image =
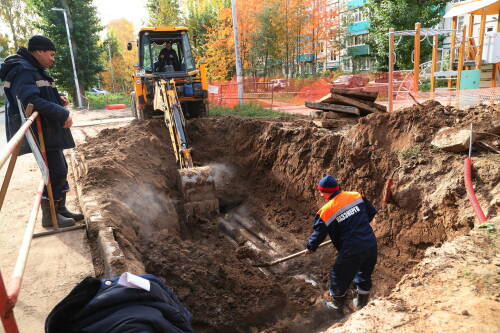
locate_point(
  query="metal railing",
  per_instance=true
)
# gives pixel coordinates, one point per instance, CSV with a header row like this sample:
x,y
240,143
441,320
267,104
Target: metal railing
x,y
9,296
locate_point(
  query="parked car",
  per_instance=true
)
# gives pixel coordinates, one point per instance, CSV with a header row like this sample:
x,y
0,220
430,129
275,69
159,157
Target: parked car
x,y
97,91
278,84
350,81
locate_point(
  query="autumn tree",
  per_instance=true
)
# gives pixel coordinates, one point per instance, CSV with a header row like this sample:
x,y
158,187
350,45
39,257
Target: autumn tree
x,y
119,61
163,13
84,26
201,16
219,49
18,20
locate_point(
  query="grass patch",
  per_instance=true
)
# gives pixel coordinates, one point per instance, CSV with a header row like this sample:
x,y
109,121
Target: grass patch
x,y
246,110
100,101
411,152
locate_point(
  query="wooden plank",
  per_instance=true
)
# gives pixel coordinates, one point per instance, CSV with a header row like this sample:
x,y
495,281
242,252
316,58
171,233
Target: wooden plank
x,y
362,105
364,95
324,99
382,108
416,57
333,107
434,61
480,46
452,48
390,83
460,59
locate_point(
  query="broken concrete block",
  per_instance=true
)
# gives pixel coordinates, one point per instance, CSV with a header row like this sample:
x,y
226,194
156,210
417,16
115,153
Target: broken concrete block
x,y
316,114
334,115
326,123
453,139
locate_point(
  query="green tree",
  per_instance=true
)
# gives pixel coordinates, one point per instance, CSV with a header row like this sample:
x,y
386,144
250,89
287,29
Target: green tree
x,y
4,46
200,17
266,37
18,20
400,15
84,26
163,12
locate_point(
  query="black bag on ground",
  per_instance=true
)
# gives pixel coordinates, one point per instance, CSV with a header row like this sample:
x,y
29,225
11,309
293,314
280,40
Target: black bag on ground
x,y
104,306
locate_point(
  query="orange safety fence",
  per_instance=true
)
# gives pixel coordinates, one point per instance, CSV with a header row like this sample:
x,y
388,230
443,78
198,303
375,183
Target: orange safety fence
x,y
295,91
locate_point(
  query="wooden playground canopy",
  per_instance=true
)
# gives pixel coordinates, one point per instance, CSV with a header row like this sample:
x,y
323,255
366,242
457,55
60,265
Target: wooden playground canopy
x,y
475,7
465,41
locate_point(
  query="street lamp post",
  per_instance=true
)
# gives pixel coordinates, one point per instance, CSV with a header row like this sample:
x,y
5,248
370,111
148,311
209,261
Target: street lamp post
x,y
77,85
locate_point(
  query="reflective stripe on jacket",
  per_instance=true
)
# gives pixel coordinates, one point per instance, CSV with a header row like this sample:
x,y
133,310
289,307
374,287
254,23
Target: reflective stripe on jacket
x,y
346,218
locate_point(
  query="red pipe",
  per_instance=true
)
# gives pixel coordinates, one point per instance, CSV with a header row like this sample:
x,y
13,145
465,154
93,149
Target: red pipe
x,y
470,191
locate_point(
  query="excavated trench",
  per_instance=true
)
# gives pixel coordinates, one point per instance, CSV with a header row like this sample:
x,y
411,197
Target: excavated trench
x,y
265,172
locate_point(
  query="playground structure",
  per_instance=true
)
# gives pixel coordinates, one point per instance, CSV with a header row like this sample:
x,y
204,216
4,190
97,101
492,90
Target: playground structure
x,y
469,55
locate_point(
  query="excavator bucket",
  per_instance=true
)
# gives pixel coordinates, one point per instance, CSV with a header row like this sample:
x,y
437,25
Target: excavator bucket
x,y
198,189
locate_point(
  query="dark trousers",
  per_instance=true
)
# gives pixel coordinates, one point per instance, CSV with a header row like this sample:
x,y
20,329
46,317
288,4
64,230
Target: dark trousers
x,y
58,172
353,266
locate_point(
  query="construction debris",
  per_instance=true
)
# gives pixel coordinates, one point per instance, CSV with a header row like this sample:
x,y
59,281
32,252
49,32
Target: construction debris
x,y
453,139
344,103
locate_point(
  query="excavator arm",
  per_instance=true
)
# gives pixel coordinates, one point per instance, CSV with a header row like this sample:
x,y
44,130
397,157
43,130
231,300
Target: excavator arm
x,y
197,183
167,101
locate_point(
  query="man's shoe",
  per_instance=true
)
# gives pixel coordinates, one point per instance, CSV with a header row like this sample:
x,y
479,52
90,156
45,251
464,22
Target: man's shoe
x,y
61,209
337,303
62,222
361,299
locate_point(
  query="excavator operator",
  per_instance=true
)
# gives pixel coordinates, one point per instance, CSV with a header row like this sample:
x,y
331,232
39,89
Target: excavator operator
x,y
168,57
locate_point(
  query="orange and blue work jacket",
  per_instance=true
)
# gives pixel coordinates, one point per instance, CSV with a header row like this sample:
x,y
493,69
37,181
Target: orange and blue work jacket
x,y
346,218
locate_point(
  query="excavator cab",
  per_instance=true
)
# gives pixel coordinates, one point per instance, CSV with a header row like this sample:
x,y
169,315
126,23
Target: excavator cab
x,y
167,84
179,64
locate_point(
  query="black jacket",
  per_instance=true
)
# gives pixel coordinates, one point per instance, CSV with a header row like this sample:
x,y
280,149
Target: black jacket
x,y
103,306
169,58
25,78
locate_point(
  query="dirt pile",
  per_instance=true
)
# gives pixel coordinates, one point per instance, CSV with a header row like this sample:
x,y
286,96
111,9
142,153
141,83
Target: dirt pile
x,y
266,171
453,289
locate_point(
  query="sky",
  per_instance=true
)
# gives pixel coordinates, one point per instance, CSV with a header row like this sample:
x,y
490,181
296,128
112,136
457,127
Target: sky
x,y
108,10
132,10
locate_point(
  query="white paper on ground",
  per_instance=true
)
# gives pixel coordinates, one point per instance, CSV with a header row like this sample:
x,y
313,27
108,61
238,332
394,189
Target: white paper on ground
x,y
133,281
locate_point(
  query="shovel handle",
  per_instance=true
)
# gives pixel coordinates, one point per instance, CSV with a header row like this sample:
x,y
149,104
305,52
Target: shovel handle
x,y
277,261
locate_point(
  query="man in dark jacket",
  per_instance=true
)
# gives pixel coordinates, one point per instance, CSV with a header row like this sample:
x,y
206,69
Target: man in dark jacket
x,y
346,219
168,56
27,80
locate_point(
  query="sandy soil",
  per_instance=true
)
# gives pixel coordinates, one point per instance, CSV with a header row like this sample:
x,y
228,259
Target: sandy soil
x,y
265,172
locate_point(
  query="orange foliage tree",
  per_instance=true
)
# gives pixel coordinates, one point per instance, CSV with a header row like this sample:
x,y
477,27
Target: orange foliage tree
x,y
219,49
273,34
118,74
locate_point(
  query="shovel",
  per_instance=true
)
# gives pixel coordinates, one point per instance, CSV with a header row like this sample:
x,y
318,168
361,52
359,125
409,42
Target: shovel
x,y
297,254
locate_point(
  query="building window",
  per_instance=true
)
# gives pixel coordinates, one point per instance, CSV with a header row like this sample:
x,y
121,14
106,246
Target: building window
x,y
364,64
358,15
346,64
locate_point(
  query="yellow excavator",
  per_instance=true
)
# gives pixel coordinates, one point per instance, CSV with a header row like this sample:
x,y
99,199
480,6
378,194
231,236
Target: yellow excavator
x,y
167,84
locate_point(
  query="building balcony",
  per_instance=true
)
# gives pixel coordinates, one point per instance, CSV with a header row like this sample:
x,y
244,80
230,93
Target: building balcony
x,y
307,57
358,28
358,50
353,4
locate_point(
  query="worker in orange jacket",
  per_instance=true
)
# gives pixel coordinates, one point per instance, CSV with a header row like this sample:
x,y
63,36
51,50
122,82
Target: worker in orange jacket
x,y
346,218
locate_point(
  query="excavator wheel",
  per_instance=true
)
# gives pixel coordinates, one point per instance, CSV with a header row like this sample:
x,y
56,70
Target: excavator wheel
x,y
198,189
